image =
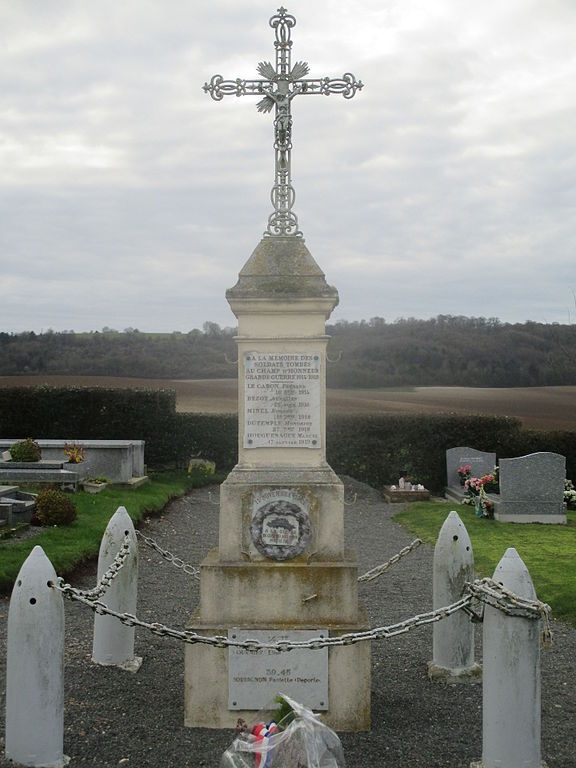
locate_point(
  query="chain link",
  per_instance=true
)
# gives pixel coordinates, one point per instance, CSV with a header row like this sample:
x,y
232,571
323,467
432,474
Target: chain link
x,y
380,569
177,562
493,593
107,577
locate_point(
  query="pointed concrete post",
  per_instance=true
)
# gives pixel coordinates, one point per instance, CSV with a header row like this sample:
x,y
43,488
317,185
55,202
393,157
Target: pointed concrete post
x,y
113,641
453,638
35,667
511,695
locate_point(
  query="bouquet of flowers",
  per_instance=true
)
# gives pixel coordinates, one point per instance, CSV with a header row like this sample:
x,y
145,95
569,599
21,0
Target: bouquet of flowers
x,y
473,486
294,738
464,473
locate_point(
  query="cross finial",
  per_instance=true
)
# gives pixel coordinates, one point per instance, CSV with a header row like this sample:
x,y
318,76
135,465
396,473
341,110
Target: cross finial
x,y
280,83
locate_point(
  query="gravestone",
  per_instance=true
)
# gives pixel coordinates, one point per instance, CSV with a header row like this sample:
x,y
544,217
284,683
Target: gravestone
x,y
481,463
532,489
281,570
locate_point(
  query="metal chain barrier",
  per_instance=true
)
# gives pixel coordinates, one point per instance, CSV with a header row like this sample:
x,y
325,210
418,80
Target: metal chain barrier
x,y
493,593
380,569
486,591
105,580
220,641
177,562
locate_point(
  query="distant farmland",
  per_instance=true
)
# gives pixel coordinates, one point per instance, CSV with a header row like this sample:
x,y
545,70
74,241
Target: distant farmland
x,y
537,407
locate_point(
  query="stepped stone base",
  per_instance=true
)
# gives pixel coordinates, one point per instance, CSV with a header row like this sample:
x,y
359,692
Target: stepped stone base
x,y
454,493
295,592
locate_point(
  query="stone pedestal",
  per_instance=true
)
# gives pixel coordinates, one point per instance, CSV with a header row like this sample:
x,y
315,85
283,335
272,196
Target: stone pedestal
x,y
281,562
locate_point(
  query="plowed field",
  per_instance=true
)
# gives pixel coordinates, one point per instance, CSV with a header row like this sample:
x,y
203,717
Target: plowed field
x,y
537,407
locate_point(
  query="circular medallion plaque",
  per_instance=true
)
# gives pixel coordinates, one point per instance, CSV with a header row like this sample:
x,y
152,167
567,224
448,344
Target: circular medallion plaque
x,y
280,529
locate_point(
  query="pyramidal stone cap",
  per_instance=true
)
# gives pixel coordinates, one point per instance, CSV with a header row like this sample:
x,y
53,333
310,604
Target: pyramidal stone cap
x,y
281,267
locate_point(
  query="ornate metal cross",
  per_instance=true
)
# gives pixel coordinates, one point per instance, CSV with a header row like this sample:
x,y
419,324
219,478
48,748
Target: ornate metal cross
x,y
278,86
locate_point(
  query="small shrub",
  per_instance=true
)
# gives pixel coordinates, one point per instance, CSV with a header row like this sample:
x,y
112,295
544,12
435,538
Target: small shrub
x,y
201,468
54,507
26,450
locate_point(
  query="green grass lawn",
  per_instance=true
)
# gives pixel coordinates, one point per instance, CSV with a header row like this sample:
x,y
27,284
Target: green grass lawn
x,y
549,551
69,545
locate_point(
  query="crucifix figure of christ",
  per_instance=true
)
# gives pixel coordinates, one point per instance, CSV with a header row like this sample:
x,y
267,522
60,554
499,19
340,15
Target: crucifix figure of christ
x,y
278,86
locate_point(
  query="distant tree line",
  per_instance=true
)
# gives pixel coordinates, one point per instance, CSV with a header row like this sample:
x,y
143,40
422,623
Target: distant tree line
x,y
443,351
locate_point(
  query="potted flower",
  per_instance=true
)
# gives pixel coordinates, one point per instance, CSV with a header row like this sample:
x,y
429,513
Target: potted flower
x,y
464,473
491,481
95,484
74,452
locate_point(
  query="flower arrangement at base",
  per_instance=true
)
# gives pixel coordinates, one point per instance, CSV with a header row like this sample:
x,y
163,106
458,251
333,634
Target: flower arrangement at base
x,y
491,481
294,738
484,507
472,488
464,472
569,494
475,495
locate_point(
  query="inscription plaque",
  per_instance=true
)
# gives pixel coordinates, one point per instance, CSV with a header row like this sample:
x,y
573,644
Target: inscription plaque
x,y
256,677
282,400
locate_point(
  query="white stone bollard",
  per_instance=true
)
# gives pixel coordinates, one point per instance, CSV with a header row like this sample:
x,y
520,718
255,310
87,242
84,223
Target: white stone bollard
x,y
113,643
35,667
511,695
453,637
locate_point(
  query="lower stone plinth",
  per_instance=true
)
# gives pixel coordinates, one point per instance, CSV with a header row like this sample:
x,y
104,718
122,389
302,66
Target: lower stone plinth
x,y
529,511
206,681
471,674
480,764
293,593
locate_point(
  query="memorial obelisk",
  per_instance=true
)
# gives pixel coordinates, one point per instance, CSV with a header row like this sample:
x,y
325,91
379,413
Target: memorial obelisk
x,y
281,569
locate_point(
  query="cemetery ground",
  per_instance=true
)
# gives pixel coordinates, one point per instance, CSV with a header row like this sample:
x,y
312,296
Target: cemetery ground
x,y
69,546
544,408
116,718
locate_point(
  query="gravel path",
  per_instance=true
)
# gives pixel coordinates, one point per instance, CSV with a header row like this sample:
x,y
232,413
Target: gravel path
x,y
115,718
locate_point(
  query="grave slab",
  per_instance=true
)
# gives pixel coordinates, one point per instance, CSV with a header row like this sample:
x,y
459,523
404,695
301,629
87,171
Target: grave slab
x,y
532,489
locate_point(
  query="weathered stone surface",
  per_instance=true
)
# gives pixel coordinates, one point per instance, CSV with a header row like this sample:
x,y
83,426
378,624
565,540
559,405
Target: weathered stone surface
x,y
281,267
281,562
298,593
207,673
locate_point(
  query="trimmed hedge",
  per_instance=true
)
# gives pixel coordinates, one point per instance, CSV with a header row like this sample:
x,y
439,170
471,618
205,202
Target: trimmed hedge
x,y
95,413
374,449
212,436
380,449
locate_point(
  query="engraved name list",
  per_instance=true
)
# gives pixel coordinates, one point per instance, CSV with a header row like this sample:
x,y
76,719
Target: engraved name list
x,y
282,400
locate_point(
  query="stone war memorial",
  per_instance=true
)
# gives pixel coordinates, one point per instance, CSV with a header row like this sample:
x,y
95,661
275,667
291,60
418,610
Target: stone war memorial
x,y
281,570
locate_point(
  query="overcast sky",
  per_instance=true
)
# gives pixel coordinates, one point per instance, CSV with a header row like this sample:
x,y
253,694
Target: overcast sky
x,y
129,198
